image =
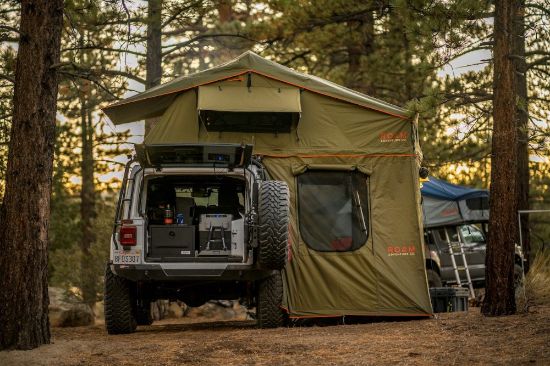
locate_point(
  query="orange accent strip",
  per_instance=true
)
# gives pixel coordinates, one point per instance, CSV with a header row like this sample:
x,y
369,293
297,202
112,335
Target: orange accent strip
x,y
328,95
339,155
122,102
370,314
338,316
268,76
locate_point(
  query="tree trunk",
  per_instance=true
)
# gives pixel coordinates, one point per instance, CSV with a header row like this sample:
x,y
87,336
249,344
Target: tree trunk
x,y
25,212
154,51
503,224
225,11
87,203
523,127
360,44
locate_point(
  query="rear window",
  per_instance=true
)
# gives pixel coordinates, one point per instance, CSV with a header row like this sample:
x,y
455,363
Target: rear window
x,y
333,210
472,234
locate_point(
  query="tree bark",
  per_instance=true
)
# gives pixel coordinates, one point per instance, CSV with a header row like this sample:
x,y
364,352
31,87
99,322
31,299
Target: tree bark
x,y
503,224
225,11
154,51
361,44
523,128
87,203
25,212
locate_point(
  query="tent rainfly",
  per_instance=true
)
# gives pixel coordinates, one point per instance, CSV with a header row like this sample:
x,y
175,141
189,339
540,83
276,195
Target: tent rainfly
x,y
444,203
351,163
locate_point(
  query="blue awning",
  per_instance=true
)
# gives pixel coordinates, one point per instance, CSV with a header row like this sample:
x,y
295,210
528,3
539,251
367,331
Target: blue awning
x,y
444,203
443,190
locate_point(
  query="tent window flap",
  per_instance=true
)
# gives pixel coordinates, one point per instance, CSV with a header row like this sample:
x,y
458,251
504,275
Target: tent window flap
x,y
333,210
253,99
249,110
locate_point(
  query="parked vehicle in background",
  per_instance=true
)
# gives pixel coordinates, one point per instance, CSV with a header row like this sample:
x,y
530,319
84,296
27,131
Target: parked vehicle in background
x,y
439,267
455,215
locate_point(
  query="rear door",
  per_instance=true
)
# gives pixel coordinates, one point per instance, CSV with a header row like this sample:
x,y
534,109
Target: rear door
x,y
440,238
194,155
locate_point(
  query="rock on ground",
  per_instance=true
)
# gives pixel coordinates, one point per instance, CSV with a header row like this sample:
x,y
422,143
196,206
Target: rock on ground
x,y
219,310
66,312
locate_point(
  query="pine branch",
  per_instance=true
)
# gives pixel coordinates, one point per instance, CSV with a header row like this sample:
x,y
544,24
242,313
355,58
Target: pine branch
x,y
85,72
6,38
89,78
544,9
542,71
179,45
468,98
120,21
7,78
179,31
107,49
177,13
9,28
539,62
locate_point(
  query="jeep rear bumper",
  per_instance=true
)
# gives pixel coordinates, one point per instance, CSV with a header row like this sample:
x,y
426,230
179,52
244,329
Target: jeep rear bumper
x,y
178,272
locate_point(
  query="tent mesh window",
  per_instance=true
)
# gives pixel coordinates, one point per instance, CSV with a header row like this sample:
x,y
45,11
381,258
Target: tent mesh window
x,y
249,122
333,210
478,203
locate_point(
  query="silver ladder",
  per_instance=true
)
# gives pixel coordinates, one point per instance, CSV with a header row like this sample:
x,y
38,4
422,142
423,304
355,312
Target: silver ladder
x,y
456,268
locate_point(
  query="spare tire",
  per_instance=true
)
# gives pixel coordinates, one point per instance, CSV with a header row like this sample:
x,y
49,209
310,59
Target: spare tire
x,y
269,313
273,206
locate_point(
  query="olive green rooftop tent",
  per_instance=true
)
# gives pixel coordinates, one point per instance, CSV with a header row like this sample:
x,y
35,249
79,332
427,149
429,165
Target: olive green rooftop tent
x,y
351,163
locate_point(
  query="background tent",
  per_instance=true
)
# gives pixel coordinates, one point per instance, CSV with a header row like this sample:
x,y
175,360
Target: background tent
x,y
444,203
351,163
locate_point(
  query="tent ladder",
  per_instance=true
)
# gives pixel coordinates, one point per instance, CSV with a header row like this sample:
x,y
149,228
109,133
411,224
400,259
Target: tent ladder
x,y
460,252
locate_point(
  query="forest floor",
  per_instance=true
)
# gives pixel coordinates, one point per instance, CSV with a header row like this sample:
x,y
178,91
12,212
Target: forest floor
x,y
454,338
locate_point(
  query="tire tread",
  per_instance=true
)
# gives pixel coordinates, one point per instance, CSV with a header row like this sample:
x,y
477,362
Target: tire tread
x,y
118,305
270,296
273,225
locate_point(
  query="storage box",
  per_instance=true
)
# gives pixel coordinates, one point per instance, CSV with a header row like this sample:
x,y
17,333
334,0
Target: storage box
x,y
211,227
449,299
170,242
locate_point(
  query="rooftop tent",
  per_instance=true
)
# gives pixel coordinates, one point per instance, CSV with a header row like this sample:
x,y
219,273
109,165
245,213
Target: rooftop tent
x,y
154,102
351,162
444,203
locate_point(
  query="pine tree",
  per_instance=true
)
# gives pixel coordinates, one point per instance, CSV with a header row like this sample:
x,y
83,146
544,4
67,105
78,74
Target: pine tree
x,y
25,211
86,47
503,226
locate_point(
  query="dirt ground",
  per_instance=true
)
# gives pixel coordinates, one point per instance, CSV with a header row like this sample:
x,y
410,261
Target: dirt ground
x,y
456,338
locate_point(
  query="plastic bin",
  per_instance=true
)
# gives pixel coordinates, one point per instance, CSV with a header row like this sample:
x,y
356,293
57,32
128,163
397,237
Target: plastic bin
x,y
449,299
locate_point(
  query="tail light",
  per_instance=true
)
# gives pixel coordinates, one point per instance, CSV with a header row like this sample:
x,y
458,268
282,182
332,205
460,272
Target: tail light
x,y
128,235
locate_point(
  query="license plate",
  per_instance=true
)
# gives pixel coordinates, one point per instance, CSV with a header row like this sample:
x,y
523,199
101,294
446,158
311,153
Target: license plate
x,y
123,257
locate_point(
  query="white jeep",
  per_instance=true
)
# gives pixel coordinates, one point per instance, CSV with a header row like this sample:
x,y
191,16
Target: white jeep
x,y
196,222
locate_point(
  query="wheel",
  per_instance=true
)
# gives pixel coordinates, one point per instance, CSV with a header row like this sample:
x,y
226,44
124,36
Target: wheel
x,y
273,197
434,280
118,304
270,297
144,316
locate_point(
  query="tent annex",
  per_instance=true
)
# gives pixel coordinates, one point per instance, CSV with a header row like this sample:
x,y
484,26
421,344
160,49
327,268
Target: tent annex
x,y
444,203
351,163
